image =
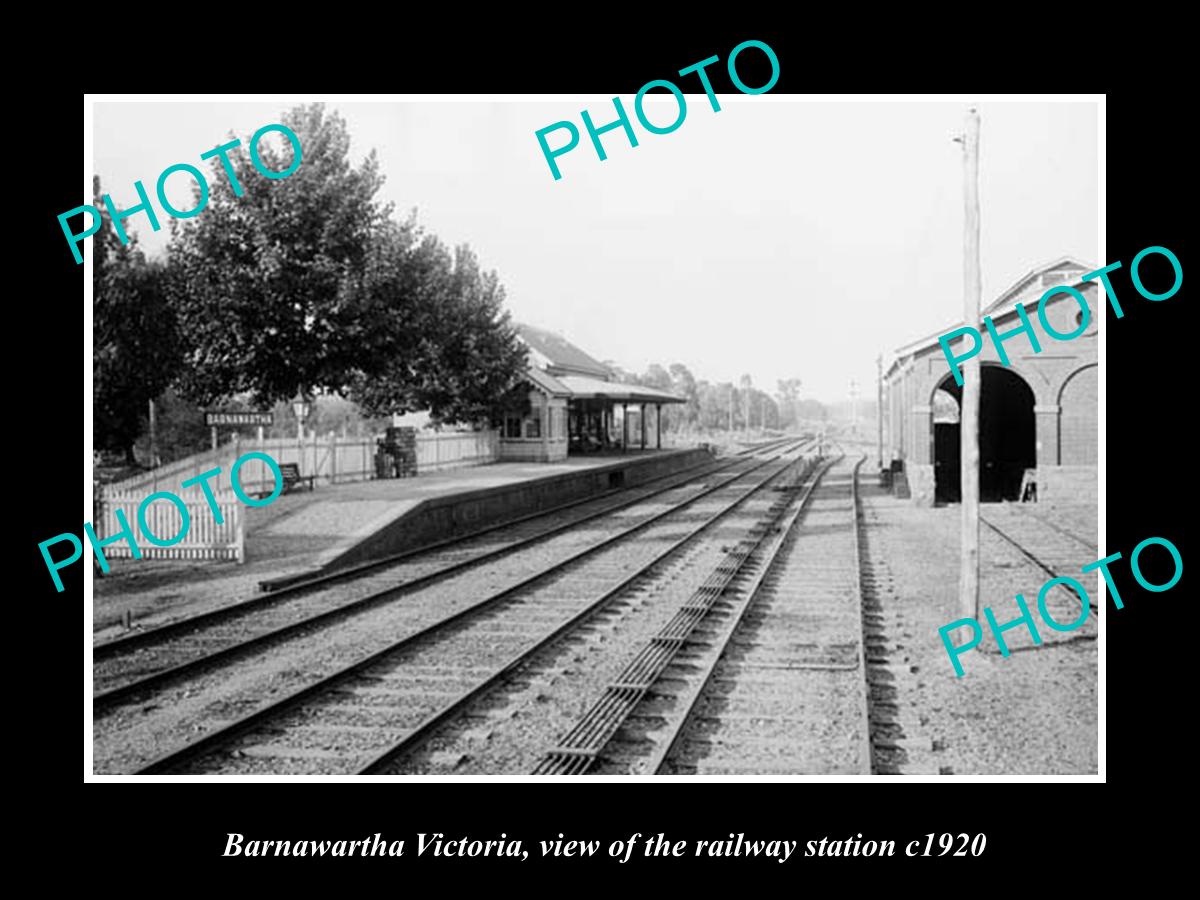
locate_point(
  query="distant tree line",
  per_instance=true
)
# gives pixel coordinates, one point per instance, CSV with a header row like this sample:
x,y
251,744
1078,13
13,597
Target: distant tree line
x,y
724,406
305,285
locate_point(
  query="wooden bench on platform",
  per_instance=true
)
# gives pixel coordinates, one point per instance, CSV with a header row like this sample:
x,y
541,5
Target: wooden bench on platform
x,y
291,478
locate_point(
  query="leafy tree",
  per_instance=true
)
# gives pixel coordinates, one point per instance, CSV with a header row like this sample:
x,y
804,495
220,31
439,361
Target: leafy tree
x,y
683,383
747,387
135,348
179,429
406,281
479,356
766,410
789,396
656,377
450,346
306,284
618,374
269,286
717,405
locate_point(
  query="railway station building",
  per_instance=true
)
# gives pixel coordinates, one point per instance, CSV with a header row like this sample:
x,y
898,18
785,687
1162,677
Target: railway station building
x,y
574,405
1038,415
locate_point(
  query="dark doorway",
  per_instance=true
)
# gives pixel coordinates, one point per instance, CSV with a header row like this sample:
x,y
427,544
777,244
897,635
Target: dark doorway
x,y
1007,438
946,448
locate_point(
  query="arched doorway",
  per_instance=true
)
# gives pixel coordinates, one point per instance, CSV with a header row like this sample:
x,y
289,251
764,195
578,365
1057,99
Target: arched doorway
x,y
1077,419
1007,436
946,446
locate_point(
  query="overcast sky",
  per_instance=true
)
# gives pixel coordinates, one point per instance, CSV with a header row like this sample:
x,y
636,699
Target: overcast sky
x,y
777,237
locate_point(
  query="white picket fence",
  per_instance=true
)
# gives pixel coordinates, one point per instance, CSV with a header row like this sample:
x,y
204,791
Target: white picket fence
x,y
205,539
330,460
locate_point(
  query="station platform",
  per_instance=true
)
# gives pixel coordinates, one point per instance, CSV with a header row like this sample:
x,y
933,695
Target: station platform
x,y
306,533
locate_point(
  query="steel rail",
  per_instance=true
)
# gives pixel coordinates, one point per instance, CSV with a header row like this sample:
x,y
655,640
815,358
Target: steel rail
x,y
581,746
426,727
105,700
866,750
659,759
1090,546
108,649
1031,557
221,736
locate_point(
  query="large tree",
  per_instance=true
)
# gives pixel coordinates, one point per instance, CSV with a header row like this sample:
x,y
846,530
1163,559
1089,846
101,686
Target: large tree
x,y
135,350
449,345
270,286
306,283
480,356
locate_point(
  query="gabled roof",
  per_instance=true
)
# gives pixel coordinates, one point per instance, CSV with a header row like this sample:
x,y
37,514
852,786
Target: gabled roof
x,y
553,350
1026,290
1039,279
547,383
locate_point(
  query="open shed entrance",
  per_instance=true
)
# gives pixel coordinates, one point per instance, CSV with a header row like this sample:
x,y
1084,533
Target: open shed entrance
x,y
1007,436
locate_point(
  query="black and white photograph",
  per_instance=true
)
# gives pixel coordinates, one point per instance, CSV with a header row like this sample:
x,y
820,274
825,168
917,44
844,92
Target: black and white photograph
x,y
733,435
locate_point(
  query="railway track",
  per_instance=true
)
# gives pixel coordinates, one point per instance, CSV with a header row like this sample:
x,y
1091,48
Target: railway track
x,y
355,718
1055,550
132,667
762,670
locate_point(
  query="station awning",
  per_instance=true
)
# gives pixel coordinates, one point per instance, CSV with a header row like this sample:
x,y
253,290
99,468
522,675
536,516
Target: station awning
x,y
583,388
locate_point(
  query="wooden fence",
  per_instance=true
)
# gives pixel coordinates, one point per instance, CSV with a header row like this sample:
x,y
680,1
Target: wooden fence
x,y
204,540
331,460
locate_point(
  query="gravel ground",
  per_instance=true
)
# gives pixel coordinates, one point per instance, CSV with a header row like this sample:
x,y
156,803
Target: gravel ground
x,y
132,735
271,611
759,714
516,724
1034,712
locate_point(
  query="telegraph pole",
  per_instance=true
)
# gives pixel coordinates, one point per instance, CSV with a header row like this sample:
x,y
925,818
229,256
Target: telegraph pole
x,y
854,407
969,430
879,404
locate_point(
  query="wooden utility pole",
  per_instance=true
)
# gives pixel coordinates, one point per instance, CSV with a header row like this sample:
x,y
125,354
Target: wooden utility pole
x,y
879,404
969,418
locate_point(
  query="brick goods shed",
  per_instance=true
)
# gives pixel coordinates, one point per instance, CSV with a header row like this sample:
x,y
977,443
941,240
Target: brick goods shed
x,y
1038,415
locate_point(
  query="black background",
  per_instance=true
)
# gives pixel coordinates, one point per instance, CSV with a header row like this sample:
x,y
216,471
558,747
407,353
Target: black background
x,y
131,830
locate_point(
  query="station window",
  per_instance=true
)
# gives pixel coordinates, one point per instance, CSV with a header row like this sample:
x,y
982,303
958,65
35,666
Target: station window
x,y
533,428
512,426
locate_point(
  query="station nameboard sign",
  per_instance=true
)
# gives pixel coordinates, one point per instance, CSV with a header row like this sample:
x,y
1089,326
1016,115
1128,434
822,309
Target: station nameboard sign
x,y
238,418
